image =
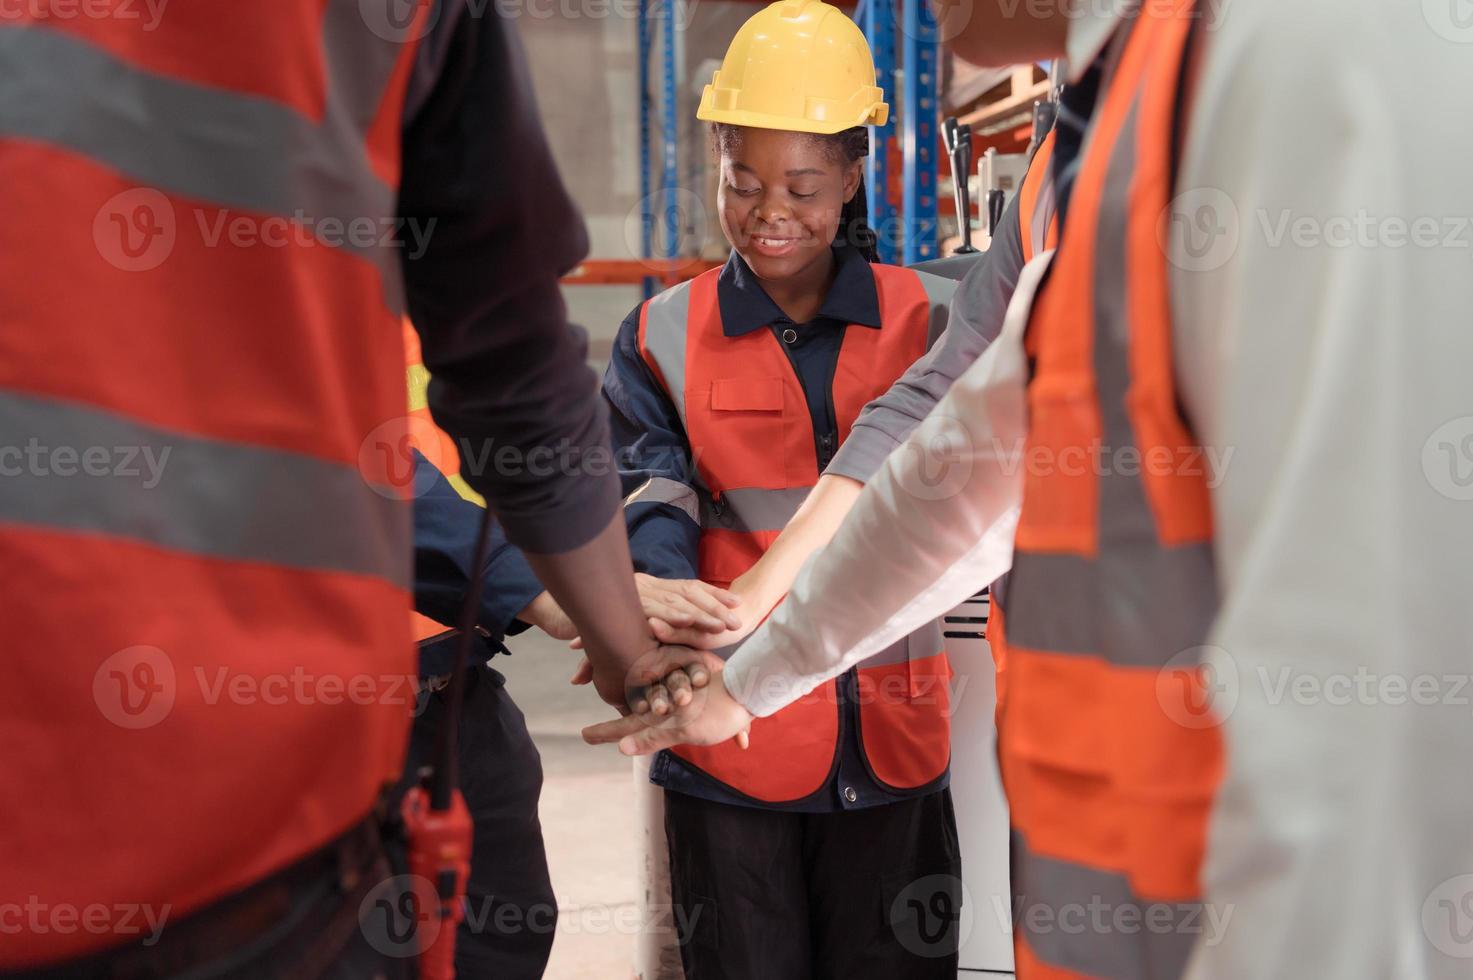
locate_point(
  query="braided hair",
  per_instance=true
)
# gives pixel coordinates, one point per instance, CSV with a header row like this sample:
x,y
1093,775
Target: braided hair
x,y
845,147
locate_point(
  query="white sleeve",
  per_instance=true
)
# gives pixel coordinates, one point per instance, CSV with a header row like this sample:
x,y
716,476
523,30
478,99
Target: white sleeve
x,y
1324,348
933,527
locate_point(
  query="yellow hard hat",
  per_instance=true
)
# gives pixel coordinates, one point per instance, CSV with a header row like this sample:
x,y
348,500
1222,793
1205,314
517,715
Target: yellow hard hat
x,y
799,65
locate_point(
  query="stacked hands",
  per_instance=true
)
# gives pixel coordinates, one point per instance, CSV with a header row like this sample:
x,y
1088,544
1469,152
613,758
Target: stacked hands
x,y
665,697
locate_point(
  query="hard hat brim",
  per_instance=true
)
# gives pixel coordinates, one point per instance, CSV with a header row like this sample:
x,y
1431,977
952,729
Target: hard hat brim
x,y
874,114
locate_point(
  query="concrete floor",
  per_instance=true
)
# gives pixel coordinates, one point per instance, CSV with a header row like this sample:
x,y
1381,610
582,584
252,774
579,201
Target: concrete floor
x,y
587,813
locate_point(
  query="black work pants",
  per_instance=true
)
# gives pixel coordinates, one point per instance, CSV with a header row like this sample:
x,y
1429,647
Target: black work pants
x,y
511,912
770,895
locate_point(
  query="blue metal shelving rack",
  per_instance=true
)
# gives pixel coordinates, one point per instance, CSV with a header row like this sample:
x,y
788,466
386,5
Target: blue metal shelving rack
x,y
918,120
907,234
657,23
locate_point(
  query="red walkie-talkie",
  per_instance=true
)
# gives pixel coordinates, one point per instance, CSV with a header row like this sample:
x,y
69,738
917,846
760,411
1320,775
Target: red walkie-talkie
x,y
436,821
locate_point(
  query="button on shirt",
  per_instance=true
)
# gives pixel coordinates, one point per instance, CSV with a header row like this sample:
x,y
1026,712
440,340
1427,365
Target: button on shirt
x,y
651,443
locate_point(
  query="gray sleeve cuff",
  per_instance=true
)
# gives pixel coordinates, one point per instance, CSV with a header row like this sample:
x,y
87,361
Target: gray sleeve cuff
x,y
862,454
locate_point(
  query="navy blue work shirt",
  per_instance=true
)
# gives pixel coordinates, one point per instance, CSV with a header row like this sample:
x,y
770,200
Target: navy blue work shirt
x,y
650,442
445,526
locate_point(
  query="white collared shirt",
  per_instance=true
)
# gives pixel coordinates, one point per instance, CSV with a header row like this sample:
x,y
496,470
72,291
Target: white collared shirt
x,y
1323,331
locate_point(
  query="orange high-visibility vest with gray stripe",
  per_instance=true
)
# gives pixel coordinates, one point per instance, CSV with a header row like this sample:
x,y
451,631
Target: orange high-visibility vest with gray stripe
x,y
1038,213
748,425
212,670
1109,755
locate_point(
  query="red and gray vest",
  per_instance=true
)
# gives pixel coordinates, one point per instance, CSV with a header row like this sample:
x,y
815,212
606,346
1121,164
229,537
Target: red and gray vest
x,y
206,601
751,436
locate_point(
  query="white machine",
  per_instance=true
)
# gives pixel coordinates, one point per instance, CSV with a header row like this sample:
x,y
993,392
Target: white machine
x,y
976,791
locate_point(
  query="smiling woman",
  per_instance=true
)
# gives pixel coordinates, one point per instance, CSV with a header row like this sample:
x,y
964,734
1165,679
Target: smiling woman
x,y
756,372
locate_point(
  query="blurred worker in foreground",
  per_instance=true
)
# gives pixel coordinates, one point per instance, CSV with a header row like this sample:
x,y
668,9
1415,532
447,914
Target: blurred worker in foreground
x,y
1230,437
212,698
734,391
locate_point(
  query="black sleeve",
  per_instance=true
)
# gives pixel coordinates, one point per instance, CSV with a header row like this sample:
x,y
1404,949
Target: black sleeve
x,y
496,231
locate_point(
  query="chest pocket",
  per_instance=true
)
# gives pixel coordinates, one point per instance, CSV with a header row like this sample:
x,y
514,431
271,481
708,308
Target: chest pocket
x,y
750,442
747,395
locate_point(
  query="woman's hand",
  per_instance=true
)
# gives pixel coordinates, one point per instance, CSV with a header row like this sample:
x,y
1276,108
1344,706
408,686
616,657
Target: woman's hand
x,y
686,611
680,706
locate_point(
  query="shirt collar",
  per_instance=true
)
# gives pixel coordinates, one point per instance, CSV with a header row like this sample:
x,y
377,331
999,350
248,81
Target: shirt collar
x,y
745,305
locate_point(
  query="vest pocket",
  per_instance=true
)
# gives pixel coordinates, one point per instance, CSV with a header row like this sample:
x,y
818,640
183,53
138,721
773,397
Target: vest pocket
x,y
747,395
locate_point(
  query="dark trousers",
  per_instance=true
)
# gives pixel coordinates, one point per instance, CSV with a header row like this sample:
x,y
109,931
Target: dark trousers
x,y
511,912
768,895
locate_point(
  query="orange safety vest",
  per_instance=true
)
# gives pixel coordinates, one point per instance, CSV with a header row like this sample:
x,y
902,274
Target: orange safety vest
x,y
212,669
1109,757
1038,212
747,421
434,443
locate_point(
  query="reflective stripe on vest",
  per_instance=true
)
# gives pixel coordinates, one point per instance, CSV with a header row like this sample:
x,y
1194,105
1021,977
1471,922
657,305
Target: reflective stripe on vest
x,y
197,344
747,419
1038,212
1109,755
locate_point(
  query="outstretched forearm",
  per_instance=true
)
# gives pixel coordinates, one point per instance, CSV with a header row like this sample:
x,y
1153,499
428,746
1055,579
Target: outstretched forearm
x,y
764,584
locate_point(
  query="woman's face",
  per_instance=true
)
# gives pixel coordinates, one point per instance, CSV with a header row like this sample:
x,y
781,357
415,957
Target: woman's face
x,y
780,198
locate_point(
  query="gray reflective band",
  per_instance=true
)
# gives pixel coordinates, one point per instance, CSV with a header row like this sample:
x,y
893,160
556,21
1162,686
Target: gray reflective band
x,y
659,490
1043,212
1057,604
751,509
1091,922
924,642
183,493
664,339
230,149
939,291
1139,603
